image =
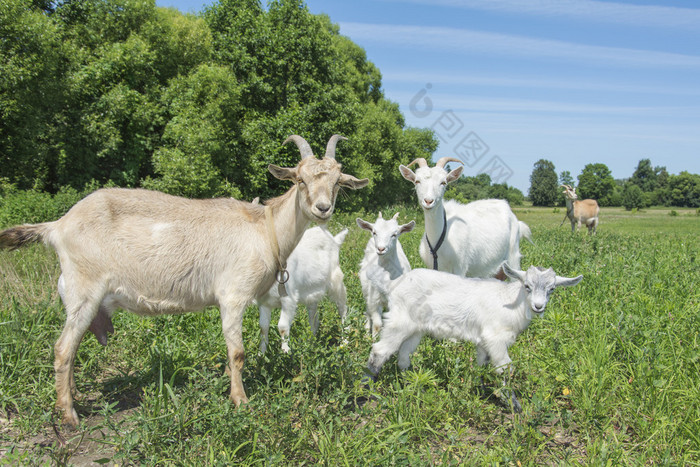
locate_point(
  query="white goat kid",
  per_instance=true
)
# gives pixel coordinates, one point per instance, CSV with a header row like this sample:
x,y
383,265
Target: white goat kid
x,y
383,254
152,254
487,312
580,211
314,271
470,240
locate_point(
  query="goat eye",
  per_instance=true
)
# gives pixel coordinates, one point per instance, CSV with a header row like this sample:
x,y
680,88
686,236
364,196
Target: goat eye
x,y
301,182
528,288
443,183
417,182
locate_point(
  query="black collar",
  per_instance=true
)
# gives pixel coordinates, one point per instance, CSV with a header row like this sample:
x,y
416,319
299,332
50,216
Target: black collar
x,y
434,251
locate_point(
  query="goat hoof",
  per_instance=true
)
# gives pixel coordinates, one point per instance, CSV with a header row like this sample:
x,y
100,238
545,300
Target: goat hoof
x,y
70,418
367,379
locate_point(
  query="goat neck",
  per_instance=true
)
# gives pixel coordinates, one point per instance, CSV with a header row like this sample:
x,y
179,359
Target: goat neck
x,y
435,220
290,221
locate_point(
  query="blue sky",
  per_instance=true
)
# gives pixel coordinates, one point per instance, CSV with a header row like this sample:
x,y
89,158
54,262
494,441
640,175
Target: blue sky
x,y
505,83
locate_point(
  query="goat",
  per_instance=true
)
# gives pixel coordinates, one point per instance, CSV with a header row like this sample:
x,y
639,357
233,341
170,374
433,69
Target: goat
x,y
314,270
382,253
470,240
487,312
152,254
580,211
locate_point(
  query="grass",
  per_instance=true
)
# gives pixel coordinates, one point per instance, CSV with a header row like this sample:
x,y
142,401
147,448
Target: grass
x,y
609,375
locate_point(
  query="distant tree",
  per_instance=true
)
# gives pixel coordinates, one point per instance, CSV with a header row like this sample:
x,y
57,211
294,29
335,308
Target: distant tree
x,y
596,182
633,197
511,194
543,184
684,190
565,178
660,196
644,176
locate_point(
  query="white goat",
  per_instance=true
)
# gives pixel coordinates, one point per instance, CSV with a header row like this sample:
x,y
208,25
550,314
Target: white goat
x,y
487,312
470,240
580,211
383,253
314,270
152,254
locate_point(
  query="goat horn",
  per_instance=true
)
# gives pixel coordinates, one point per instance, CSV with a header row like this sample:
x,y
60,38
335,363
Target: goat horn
x,y
421,162
444,160
301,143
330,147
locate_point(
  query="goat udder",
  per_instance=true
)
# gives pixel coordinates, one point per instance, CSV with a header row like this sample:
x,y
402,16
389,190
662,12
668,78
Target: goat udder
x,y
101,325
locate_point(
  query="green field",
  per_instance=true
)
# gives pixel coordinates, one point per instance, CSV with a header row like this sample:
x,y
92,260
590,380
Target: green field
x,y
609,375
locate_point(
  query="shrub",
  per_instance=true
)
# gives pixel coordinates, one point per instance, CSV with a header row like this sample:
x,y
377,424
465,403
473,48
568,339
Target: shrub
x,y
33,206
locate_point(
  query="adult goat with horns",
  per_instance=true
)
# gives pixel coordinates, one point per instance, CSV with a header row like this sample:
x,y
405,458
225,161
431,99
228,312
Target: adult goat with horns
x,y
466,239
152,254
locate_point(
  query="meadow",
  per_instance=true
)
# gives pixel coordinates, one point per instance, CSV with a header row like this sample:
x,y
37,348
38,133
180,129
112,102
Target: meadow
x,y
610,375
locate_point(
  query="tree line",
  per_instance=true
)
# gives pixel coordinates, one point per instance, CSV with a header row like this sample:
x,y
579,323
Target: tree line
x,y
648,186
124,93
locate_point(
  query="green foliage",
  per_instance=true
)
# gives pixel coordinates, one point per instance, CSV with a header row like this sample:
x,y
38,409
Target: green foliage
x,y
33,206
644,176
683,190
467,189
633,197
596,182
612,364
544,189
124,92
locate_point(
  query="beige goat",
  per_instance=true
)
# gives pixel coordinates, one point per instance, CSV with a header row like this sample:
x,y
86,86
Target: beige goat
x,y
580,211
152,254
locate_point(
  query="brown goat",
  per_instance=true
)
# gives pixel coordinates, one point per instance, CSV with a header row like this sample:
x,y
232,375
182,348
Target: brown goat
x,y
580,211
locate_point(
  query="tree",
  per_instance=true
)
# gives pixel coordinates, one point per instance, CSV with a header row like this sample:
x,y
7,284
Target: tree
x,y
684,190
596,182
632,197
543,184
33,62
129,94
644,176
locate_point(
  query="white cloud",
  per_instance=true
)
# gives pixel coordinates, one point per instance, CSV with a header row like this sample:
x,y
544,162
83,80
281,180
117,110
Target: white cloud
x,y
438,77
587,10
485,43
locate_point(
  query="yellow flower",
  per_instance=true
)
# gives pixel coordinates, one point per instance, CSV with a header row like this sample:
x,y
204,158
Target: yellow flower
x,y
566,391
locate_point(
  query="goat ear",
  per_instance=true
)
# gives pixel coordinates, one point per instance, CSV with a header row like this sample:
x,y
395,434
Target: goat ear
x,y
283,173
512,273
567,281
364,224
340,237
407,173
407,227
348,181
454,175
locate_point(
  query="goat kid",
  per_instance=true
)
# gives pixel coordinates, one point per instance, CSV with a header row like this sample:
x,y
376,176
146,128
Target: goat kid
x,y
314,271
470,240
383,254
487,312
152,254
580,211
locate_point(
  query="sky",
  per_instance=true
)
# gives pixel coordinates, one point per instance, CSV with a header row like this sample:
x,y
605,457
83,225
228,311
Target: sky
x,y
505,83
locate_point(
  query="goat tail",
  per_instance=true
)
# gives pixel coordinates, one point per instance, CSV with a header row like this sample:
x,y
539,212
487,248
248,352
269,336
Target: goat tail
x,y
524,232
22,235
